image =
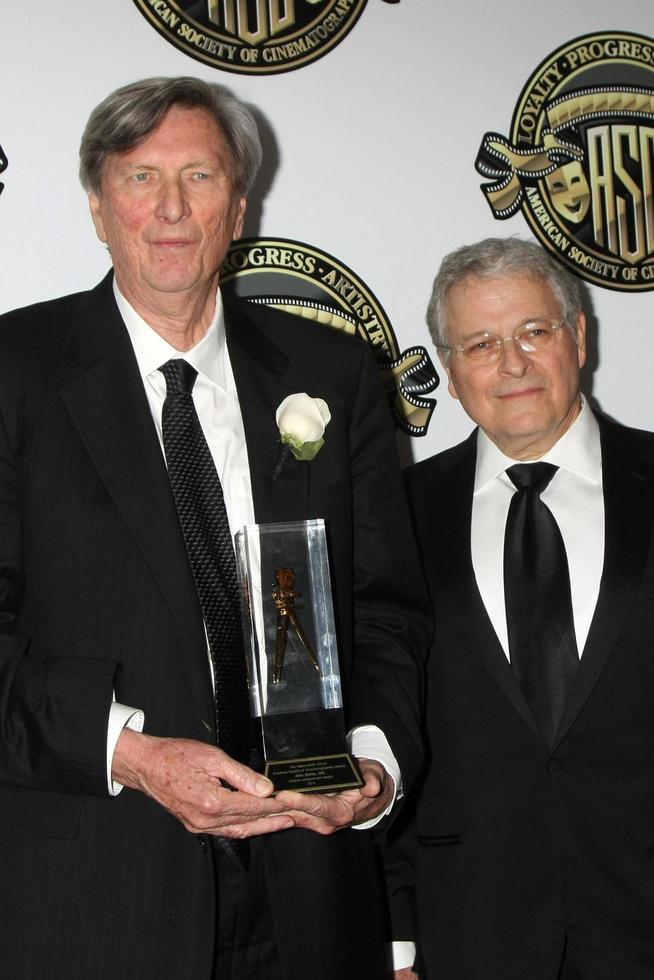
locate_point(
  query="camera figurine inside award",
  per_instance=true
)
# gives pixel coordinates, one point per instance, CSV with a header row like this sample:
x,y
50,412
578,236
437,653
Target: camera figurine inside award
x,y
295,685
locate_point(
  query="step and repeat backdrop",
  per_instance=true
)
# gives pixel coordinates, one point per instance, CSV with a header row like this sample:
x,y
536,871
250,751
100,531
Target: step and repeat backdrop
x,y
393,133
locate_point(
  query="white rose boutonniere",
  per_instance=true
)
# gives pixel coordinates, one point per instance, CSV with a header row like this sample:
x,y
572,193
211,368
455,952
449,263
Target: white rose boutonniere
x,y
301,421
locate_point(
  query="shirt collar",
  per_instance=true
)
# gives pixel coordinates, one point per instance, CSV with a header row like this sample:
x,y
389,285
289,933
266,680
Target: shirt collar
x,y
578,451
151,350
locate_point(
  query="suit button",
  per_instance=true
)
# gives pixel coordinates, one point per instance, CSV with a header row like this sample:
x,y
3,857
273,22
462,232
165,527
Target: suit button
x,y
202,841
555,767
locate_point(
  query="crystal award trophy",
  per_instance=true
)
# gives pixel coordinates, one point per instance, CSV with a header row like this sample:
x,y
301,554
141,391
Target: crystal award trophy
x,y
290,645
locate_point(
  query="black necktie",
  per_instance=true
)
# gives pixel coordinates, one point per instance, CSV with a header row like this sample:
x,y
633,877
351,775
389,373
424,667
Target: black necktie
x,y
540,622
203,519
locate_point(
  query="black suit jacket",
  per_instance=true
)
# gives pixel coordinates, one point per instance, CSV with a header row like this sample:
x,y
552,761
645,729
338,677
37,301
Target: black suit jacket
x,y
514,847
96,596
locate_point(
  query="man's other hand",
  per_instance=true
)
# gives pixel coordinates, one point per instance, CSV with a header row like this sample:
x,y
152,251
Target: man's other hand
x,y
192,781
326,813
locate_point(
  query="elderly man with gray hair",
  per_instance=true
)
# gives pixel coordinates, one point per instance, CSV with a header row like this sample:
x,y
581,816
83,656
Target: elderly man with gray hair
x,y
529,854
137,435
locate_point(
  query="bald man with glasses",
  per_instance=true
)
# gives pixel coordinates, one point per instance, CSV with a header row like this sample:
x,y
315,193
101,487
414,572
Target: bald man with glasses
x,y
529,852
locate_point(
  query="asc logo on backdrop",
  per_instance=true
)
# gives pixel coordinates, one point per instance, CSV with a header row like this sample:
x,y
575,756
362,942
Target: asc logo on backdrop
x,y
579,160
302,280
257,37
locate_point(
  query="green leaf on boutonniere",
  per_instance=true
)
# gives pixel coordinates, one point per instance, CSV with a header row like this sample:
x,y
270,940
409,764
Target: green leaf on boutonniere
x,y
303,451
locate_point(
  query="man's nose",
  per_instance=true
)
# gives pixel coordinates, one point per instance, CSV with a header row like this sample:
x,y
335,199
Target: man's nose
x,y
172,205
513,360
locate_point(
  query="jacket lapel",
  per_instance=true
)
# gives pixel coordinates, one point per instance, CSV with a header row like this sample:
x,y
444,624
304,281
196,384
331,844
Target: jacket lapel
x,y
108,406
628,518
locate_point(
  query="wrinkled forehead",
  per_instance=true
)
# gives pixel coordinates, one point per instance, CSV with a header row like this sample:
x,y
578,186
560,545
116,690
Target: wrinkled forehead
x,y
518,290
181,129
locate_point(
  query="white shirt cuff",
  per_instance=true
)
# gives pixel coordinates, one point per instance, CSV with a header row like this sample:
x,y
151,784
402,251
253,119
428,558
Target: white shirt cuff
x,y
369,742
403,954
120,716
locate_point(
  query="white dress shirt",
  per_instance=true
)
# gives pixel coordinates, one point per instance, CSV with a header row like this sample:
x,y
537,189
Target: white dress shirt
x,y
217,405
575,498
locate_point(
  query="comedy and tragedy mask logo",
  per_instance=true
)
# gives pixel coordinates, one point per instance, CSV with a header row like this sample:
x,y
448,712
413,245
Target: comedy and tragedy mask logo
x,y
300,279
254,37
579,161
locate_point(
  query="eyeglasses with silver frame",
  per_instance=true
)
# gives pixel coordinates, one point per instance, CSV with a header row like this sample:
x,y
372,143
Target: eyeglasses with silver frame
x,y
531,337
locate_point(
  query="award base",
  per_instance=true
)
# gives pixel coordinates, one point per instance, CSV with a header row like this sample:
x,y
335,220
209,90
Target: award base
x,y
315,774
300,752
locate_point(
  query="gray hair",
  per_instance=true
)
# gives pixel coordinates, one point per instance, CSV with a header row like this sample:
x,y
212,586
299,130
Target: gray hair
x,y
127,116
493,257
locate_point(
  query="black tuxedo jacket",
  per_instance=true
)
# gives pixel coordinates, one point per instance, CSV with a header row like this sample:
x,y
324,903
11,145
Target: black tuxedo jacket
x,y
516,847
96,596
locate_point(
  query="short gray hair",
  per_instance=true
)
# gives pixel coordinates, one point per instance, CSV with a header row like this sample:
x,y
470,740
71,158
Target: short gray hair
x,y
127,116
494,257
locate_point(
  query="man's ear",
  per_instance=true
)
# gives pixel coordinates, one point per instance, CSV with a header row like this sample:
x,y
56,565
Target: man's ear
x,y
444,358
96,215
240,218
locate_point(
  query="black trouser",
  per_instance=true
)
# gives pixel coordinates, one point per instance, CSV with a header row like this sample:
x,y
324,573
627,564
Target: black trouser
x,y
246,948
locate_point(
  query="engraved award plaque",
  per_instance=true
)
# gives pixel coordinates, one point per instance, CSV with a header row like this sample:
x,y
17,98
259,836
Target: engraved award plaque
x,y
290,643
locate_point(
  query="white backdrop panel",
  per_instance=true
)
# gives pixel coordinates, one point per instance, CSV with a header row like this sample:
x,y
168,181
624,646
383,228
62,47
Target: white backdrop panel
x,y
373,150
